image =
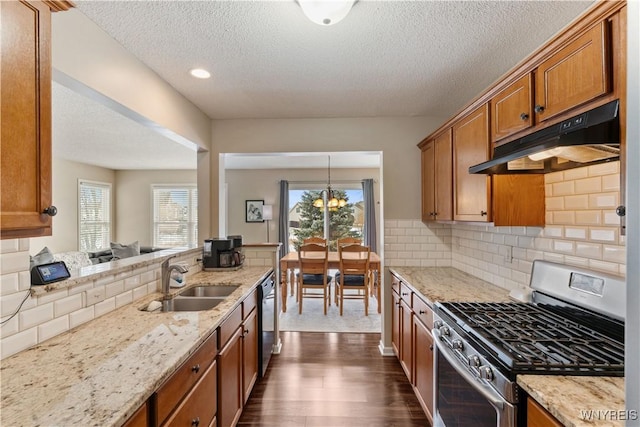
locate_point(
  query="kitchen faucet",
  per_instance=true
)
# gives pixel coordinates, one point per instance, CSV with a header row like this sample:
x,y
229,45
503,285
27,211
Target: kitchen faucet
x,y
166,269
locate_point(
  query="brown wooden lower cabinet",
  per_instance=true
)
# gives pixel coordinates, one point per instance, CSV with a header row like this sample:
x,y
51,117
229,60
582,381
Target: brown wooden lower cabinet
x,y
230,381
185,390
412,320
249,354
537,416
140,418
199,407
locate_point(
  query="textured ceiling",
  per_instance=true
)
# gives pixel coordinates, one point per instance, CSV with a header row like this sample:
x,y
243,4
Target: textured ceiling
x,y
386,58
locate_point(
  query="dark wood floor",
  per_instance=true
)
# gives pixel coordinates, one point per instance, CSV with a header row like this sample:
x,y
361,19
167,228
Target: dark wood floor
x,y
332,380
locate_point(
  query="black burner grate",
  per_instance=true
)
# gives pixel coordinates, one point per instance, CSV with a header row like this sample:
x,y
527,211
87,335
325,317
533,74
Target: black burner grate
x,y
526,338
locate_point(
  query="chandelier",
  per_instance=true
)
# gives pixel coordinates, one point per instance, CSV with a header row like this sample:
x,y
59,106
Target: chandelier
x,y
333,202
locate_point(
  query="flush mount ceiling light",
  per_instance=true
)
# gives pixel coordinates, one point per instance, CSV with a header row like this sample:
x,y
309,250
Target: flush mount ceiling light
x,y
333,203
326,12
200,73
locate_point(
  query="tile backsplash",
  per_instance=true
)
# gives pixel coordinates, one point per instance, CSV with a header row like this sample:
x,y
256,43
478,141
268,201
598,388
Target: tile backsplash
x,y
46,315
582,229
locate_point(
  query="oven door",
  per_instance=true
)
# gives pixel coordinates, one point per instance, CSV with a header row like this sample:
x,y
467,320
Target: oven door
x,y
461,399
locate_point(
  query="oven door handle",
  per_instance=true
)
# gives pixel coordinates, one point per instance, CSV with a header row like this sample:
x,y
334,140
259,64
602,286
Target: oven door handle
x,y
492,396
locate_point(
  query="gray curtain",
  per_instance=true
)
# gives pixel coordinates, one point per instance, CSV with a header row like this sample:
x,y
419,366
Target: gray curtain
x,y
283,218
370,234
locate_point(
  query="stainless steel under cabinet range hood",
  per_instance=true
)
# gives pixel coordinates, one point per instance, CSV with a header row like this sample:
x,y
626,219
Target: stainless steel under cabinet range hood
x,y
586,139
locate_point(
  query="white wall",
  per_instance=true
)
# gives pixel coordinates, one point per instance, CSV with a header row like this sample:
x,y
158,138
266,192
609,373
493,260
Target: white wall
x,y
397,138
133,201
65,197
263,184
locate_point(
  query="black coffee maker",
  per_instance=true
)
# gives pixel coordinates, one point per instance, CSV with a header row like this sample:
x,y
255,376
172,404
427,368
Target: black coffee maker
x,y
217,253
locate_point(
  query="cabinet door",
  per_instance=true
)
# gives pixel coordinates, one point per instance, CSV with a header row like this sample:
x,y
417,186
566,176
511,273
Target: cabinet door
x,y
428,182
139,418
230,381
25,136
472,193
249,353
575,74
537,416
511,108
423,366
443,191
395,324
406,340
199,407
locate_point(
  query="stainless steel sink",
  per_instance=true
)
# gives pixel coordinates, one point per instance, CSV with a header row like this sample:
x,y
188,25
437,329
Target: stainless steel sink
x,y
190,304
209,291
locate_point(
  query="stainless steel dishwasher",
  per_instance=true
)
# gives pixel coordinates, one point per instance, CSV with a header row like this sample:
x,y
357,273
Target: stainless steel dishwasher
x,y
266,319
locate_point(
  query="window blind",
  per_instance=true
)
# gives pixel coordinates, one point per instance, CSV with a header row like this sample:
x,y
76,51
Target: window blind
x,y
94,216
175,215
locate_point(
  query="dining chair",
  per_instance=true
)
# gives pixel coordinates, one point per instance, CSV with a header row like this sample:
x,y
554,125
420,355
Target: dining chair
x,y
313,260
349,241
353,274
315,239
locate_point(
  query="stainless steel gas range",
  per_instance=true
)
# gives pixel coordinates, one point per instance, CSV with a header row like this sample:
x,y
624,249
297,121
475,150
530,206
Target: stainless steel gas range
x,y
573,324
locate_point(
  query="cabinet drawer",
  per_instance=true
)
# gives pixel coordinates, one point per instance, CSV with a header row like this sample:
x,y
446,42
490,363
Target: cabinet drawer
x,y
249,303
200,406
395,284
406,294
174,389
229,326
423,312
139,418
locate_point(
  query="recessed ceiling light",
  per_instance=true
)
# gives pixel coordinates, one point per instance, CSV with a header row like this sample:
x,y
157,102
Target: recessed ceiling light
x,y
200,73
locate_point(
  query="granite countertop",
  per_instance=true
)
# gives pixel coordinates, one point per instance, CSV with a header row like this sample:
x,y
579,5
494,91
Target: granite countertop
x,y
449,284
101,372
568,398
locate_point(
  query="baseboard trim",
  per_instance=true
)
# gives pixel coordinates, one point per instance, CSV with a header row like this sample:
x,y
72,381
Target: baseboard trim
x,y
385,351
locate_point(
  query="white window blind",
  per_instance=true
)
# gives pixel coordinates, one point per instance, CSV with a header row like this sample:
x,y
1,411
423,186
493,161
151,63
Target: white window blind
x,y
175,215
94,216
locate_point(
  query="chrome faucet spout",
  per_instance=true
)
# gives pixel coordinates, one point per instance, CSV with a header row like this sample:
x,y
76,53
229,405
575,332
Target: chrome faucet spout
x,y
166,269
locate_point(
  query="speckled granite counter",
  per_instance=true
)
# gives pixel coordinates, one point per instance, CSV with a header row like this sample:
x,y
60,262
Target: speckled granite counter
x,y
449,284
578,401
569,399
101,372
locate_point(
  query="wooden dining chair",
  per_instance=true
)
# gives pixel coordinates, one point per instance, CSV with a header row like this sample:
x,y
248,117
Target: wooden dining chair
x,y
313,259
315,239
349,241
354,273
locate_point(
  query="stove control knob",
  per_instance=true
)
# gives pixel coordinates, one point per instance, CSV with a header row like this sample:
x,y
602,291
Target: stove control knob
x,y
474,360
486,373
457,345
445,331
437,324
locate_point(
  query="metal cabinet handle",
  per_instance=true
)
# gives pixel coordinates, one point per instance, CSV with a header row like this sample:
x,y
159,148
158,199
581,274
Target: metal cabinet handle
x,y
51,211
421,312
524,116
538,108
404,294
195,422
431,347
483,213
621,211
195,369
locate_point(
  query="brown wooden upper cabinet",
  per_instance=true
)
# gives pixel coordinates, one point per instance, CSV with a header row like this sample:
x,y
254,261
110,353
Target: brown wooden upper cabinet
x,y
437,179
25,135
575,74
511,109
472,193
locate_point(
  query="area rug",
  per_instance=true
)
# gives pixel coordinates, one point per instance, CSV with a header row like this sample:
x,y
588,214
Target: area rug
x,y
312,318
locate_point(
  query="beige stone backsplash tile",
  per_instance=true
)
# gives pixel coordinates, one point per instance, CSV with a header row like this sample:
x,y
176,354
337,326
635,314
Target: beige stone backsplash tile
x,y
611,182
575,233
554,203
576,202
603,200
554,177
124,299
604,169
575,174
603,234
616,254
81,316
563,188
610,267
611,218
67,305
18,342
588,185
9,245
105,306
564,218
9,283
10,303
576,261
589,250
589,217
563,246
36,315
11,327
52,328
14,262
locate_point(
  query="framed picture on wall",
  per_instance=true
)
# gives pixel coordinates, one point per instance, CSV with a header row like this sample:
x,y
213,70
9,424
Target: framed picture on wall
x,y
253,211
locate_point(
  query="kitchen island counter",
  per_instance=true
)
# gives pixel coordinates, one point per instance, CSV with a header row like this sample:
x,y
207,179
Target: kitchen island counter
x,y
101,372
575,401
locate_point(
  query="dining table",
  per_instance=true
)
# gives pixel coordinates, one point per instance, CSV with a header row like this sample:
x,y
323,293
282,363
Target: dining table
x,y
290,262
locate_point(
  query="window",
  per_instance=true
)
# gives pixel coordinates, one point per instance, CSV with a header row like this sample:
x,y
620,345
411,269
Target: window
x,y
94,216
175,215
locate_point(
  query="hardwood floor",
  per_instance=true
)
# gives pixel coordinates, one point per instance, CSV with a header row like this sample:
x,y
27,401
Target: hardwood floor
x,y
332,380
